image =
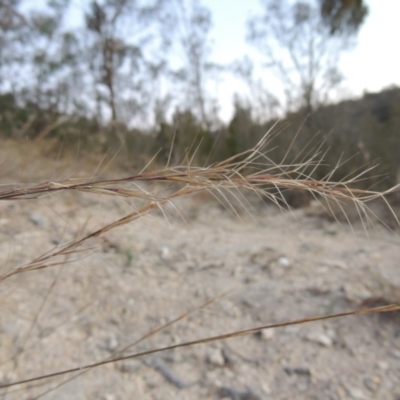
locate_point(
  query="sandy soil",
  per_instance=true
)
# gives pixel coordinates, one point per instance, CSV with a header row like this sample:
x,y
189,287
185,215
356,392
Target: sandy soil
x,y
276,266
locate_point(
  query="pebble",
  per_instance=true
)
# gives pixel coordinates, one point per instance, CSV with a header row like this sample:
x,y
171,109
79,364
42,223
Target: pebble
x,y
302,371
330,230
4,221
167,373
387,281
38,219
320,338
372,383
109,396
165,252
266,334
396,353
335,264
263,257
356,393
284,261
233,394
216,357
357,292
265,388
55,241
128,366
211,264
112,343
383,365
277,269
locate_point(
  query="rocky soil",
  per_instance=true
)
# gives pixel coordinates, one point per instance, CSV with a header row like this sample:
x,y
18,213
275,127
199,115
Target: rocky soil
x,y
271,266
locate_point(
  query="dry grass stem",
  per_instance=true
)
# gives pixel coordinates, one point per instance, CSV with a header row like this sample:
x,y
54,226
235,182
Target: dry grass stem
x,y
246,332
251,170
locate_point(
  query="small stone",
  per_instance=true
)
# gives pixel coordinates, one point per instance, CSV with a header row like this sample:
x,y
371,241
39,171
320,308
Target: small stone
x,y
263,257
109,396
265,388
386,282
266,334
357,292
38,219
330,230
383,365
320,338
277,268
396,353
376,256
216,357
356,393
4,221
225,392
284,261
335,264
112,343
55,241
128,366
301,371
165,252
372,383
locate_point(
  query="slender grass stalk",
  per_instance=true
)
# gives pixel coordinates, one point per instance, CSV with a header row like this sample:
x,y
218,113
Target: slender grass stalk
x,y
250,171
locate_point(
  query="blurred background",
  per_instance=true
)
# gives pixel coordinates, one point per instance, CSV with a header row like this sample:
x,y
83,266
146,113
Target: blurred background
x,y
130,77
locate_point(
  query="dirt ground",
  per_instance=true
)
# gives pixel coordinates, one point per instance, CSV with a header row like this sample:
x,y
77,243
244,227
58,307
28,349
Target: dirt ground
x,y
271,266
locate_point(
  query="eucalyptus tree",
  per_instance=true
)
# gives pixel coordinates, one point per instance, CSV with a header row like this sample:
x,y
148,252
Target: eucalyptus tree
x,y
38,56
14,35
343,16
301,42
197,71
126,51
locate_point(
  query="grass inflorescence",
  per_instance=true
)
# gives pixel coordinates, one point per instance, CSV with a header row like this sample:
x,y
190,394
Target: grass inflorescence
x,y
250,171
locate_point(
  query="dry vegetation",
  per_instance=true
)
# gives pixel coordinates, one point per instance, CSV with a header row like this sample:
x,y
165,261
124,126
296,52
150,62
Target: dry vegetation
x,y
230,182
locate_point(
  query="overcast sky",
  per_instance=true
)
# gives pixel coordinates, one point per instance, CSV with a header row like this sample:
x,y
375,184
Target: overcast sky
x,y
373,64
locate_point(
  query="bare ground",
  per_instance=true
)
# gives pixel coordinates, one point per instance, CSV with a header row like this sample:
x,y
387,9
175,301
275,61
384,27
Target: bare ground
x,y
271,266
278,266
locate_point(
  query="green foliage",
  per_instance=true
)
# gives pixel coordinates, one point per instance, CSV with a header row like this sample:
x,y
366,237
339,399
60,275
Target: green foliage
x,y
163,140
243,132
184,139
343,16
13,117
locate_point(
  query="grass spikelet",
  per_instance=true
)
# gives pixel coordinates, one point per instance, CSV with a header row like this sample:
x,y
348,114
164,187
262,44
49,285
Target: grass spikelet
x,y
251,171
